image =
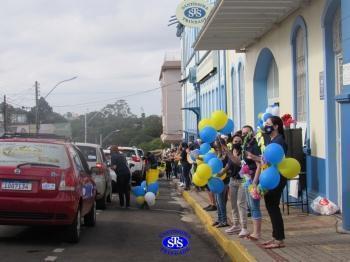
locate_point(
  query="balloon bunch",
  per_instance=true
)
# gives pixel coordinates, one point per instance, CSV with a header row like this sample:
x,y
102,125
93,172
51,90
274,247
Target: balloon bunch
x,y
278,164
148,190
211,164
270,111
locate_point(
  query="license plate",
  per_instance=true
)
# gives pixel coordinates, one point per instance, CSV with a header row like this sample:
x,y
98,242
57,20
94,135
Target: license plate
x,y
16,186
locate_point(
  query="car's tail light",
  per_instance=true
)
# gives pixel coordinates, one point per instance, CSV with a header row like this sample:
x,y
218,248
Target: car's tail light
x,y
99,169
99,165
67,182
135,158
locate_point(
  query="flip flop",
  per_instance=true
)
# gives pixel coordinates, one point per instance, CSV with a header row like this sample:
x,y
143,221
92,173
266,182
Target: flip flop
x,y
268,242
274,245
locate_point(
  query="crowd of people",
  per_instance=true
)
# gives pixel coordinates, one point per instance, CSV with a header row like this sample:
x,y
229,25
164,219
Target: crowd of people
x,y
239,153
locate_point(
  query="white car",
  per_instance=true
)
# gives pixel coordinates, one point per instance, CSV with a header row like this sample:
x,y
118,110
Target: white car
x,y
134,157
96,160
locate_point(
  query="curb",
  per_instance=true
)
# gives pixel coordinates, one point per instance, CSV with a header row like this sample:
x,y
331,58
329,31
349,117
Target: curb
x,y
233,248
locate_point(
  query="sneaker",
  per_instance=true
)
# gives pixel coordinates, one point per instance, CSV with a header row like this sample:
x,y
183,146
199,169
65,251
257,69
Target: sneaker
x,y
233,230
212,208
207,207
244,232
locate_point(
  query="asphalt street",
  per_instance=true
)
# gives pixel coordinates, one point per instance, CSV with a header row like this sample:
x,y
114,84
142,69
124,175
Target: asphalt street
x,y
120,235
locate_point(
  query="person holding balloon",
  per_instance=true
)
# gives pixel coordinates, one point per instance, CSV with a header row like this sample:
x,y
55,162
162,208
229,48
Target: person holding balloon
x,y
274,154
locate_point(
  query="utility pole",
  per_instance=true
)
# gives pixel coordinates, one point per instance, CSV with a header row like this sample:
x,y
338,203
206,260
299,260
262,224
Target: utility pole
x,y
37,120
85,129
5,114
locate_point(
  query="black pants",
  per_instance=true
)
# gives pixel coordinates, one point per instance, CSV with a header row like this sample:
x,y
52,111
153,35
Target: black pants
x,y
123,187
272,202
186,170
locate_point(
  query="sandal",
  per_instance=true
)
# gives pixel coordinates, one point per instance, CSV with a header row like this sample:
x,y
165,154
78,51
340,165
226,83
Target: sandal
x,y
250,237
268,242
275,245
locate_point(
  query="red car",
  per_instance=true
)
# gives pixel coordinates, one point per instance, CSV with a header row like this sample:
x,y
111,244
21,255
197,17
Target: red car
x,y
45,182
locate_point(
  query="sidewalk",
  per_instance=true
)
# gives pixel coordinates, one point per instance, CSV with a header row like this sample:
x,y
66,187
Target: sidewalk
x,y
308,237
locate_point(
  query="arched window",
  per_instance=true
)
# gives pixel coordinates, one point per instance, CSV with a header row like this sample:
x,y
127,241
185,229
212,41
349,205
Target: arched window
x,y
241,96
300,59
272,84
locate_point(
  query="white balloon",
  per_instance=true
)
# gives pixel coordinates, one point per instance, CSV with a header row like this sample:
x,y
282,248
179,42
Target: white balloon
x,y
150,198
275,111
269,110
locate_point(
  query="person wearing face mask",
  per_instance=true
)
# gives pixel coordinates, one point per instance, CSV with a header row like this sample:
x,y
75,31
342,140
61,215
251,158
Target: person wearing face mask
x,y
274,128
237,192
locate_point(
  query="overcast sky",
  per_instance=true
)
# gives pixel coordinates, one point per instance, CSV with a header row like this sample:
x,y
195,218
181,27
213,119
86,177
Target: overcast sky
x,y
115,47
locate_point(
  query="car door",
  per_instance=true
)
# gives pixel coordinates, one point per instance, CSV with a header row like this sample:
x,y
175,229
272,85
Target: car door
x,y
88,188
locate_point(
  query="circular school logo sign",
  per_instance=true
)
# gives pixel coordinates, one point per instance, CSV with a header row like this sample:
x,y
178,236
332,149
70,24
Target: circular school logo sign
x,y
175,242
193,13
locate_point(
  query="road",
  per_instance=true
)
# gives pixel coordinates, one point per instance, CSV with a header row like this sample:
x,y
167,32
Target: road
x,y
120,235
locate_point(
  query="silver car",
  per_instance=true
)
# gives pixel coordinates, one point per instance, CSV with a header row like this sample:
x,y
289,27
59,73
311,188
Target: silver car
x,y
98,163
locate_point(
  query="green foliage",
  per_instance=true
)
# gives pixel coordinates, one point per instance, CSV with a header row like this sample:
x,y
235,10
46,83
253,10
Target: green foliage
x,y
154,144
133,130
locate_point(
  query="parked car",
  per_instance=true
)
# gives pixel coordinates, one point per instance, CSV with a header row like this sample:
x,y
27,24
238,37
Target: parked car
x,y
112,173
45,182
97,162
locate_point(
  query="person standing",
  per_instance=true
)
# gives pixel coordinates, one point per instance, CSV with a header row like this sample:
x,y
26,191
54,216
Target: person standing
x,y
121,168
186,166
237,193
274,128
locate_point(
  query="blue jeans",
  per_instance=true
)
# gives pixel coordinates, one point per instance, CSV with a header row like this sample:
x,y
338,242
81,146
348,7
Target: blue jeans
x,y
221,205
254,207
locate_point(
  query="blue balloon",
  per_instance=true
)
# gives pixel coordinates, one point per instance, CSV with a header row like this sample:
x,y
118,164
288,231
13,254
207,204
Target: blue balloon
x,y
228,129
274,153
208,134
266,116
204,148
194,154
144,184
216,185
138,191
154,187
209,156
215,164
269,178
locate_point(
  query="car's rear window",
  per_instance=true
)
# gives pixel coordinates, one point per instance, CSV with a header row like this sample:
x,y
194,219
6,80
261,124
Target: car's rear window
x,y
127,152
89,153
140,152
14,153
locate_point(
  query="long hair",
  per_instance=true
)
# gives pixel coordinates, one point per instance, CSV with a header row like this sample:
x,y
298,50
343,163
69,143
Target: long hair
x,y
278,121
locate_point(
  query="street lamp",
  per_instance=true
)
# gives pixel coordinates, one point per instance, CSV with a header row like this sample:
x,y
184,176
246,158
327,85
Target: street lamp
x,y
66,80
107,136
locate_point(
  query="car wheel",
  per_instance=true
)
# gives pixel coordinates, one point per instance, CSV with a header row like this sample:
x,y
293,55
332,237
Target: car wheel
x,y
90,218
101,203
73,230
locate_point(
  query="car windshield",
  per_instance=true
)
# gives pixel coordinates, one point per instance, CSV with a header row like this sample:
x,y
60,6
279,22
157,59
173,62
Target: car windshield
x,y
89,153
127,152
16,153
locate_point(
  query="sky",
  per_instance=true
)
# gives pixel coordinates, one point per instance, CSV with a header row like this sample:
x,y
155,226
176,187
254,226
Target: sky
x,y
114,47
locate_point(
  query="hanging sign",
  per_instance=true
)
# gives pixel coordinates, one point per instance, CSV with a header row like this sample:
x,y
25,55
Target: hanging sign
x,y
193,13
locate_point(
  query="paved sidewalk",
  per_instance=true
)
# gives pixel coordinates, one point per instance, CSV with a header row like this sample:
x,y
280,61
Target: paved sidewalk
x,y
308,237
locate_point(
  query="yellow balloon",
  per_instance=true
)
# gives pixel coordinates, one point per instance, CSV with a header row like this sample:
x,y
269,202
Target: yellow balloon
x,y
198,181
260,115
199,162
289,168
140,200
204,171
152,175
205,122
219,119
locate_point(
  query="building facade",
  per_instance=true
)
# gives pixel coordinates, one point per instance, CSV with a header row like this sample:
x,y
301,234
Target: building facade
x,y
170,75
297,55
